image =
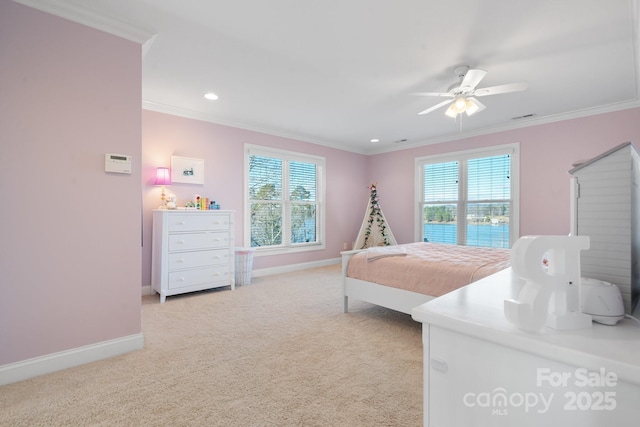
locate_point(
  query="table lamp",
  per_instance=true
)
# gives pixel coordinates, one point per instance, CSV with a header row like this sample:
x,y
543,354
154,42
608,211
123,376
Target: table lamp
x,y
163,177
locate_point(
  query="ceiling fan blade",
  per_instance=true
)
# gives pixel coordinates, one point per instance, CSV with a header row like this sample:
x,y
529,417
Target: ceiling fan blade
x,y
435,107
474,106
471,79
448,95
494,90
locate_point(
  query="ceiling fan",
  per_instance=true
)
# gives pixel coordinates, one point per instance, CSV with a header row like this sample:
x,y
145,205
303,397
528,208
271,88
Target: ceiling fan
x,y
463,93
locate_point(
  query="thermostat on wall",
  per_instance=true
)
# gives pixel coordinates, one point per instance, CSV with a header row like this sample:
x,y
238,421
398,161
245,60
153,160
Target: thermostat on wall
x,y
117,163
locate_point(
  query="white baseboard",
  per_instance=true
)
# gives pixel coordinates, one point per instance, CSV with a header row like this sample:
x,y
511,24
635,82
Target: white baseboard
x,y
147,290
294,267
54,362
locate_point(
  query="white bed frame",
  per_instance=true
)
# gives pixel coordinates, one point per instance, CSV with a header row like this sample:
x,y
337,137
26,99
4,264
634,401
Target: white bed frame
x,y
385,296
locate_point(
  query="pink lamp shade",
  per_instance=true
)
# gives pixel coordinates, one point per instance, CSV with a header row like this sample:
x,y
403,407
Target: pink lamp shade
x,y
163,177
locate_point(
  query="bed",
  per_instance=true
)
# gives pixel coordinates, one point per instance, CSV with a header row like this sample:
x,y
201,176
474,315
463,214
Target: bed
x,y
401,277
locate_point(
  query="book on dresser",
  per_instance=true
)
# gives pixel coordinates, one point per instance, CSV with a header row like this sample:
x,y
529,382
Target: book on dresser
x,y
192,250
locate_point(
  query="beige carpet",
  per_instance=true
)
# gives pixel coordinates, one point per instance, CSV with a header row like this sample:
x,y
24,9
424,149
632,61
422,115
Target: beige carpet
x,y
277,352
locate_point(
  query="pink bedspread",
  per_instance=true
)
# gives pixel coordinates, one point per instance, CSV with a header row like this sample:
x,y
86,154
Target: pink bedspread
x,y
429,268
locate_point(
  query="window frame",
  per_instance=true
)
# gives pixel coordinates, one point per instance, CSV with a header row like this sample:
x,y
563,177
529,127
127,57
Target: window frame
x,y
286,157
462,157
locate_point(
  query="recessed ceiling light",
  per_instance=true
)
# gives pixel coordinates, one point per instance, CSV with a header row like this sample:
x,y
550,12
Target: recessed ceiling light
x,y
211,96
374,140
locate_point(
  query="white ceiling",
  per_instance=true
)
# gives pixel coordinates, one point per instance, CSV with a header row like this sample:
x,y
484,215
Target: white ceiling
x,y
340,72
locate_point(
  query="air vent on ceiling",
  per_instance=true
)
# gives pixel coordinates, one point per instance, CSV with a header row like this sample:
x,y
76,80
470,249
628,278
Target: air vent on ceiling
x,y
400,141
526,116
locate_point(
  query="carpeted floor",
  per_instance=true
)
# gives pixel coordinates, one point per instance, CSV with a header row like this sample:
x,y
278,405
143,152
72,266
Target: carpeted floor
x,y
277,352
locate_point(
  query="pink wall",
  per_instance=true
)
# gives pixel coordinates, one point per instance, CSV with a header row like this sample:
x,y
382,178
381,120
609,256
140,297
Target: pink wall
x,y
547,153
222,148
70,252
70,245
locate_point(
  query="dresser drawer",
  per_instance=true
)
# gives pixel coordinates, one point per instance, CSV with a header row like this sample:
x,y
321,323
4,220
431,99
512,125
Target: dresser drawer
x,y
198,222
182,260
198,277
196,241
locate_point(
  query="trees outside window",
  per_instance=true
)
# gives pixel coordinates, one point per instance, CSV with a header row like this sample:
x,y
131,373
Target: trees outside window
x,y
284,196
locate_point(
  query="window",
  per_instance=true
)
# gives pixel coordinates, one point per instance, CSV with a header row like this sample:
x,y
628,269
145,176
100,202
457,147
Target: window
x,y
284,193
469,198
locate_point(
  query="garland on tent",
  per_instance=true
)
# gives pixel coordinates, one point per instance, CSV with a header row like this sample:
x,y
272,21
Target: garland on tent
x,y
375,215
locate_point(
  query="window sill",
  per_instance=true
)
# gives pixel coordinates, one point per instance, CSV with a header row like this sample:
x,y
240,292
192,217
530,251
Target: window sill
x,y
288,250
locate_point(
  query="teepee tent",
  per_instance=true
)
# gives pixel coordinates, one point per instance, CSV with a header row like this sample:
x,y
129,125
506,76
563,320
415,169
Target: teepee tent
x,y
374,230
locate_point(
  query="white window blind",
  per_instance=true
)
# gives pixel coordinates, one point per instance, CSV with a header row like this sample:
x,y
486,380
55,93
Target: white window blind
x,y
441,201
488,201
302,197
284,196
265,193
468,198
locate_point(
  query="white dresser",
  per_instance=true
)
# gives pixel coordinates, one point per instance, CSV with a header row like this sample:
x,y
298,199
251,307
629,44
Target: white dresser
x,y
480,370
192,250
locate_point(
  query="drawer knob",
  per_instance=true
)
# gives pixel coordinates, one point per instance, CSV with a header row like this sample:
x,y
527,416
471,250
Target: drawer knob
x,y
180,260
181,279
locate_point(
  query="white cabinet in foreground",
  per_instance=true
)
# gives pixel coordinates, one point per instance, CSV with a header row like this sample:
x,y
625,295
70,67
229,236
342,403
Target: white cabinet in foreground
x,y
480,370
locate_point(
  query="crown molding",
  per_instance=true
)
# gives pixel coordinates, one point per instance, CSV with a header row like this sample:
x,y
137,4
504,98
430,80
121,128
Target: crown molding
x,y
82,15
190,114
535,121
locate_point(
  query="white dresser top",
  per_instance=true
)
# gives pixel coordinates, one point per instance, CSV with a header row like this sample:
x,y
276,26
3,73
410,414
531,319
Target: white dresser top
x,y
478,310
193,210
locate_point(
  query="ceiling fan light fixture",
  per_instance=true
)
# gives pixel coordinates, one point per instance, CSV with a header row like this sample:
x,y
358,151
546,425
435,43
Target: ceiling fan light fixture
x,y
451,111
471,108
457,107
462,95
460,105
